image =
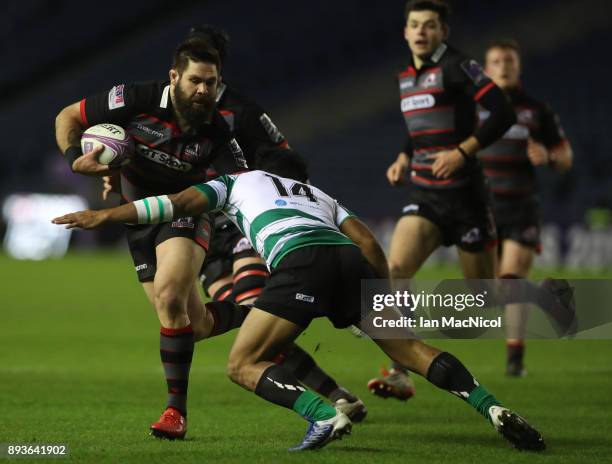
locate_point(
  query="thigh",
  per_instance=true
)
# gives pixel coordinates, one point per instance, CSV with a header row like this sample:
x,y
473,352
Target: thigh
x,y
413,241
516,258
218,284
479,264
241,262
262,337
179,260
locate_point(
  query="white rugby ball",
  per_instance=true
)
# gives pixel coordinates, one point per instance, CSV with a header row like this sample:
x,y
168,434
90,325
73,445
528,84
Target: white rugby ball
x,y
118,145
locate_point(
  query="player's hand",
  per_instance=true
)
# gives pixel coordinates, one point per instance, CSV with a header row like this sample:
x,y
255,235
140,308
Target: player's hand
x,y
537,153
88,164
88,219
395,172
112,184
446,163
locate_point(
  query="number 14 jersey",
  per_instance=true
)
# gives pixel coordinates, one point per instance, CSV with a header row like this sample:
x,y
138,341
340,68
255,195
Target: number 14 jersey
x,y
277,215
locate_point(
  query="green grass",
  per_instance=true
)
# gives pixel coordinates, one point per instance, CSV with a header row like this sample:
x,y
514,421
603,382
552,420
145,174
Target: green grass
x,y
79,364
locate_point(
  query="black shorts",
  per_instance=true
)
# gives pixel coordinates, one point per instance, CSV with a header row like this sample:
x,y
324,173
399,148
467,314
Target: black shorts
x,y
142,240
317,281
518,219
463,215
227,245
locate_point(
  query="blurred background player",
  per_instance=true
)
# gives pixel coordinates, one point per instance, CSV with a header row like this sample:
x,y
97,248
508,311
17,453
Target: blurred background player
x,y
447,202
178,134
233,271
536,139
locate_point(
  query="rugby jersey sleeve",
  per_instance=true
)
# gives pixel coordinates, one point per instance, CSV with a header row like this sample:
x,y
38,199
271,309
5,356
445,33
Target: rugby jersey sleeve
x,y
469,75
552,132
407,147
342,213
217,191
256,131
120,104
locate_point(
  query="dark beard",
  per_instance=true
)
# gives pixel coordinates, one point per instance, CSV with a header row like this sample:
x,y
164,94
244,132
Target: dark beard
x,y
194,117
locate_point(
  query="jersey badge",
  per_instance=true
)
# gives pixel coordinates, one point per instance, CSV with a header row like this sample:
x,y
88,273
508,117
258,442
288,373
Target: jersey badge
x,y
115,97
475,72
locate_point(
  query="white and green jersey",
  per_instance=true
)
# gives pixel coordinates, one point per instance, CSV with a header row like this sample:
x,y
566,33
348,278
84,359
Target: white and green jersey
x,y
277,215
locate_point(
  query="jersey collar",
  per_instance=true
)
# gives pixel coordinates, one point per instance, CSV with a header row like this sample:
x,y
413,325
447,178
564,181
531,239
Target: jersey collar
x,y
435,57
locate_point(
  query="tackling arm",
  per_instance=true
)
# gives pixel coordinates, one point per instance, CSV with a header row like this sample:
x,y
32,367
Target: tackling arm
x,y
359,233
151,210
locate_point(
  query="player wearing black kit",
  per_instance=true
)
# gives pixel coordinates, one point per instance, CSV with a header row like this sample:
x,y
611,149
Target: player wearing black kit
x,y
178,135
447,202
536,139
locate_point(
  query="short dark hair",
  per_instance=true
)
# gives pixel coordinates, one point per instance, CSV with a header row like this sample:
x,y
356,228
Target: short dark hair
x,y
438,6
505,43
282,162
215,36
197,50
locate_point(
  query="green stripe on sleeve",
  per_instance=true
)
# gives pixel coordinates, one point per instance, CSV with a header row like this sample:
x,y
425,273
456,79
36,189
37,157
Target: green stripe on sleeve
x,y
146,203
161,209
210,194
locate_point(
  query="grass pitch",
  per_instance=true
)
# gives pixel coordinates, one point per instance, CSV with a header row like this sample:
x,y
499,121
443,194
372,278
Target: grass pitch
x,y
79,364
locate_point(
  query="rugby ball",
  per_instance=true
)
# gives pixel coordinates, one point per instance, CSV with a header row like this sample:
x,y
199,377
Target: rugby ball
x,y
118,145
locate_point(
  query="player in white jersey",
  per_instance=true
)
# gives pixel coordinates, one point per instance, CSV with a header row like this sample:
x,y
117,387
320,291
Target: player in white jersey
x,y
318,253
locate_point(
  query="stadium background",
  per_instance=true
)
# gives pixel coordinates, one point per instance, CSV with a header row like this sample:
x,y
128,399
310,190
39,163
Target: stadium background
x,y
73,361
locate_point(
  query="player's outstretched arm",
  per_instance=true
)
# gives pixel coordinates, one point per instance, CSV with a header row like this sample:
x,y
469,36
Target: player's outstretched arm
x,y
359,233
150,210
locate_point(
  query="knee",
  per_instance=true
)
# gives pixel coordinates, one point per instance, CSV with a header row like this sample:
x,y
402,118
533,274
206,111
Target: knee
x,y
169,298
398,270
234,368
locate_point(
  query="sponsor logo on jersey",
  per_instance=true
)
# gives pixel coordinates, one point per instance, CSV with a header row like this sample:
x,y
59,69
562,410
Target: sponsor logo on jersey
x,y
407,83
149,131
280,203
471,236
242,245
275,135
115,97
409,208
418,102
183,223
430,81
238,154
192,150
305,298
475,72
163,158
141,267
517,132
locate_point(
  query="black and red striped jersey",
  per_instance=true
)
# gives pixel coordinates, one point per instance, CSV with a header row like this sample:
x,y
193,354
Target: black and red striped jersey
x,y
166,160
505,162
438,102
252,127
